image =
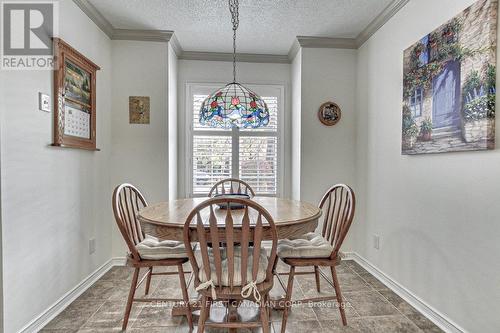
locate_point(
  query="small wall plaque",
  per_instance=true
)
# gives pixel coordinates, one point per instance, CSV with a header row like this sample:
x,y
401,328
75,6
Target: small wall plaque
x,y
329,113
138,108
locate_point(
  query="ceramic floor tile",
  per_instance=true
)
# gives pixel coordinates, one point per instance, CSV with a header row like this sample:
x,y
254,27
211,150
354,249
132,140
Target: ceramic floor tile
x,y
423,323
110,316
101,290
370,304
100,308
74,316
373,281
329,310
390,324
398,302
354,325
152,316
118,273
310,326
298,312
355,267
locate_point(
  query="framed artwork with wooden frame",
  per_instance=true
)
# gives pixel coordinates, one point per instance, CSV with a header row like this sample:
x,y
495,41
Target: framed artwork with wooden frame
x,y
74,98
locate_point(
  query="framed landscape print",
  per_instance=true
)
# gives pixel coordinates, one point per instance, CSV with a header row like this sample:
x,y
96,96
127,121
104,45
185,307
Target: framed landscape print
x,y
449,85
74,98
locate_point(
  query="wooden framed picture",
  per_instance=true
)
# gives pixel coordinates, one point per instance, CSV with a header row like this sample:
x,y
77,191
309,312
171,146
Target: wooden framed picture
x,y
329,113
74,98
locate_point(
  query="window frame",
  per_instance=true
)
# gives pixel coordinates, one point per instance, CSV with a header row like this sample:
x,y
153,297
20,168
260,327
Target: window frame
x,y
419,105
199,88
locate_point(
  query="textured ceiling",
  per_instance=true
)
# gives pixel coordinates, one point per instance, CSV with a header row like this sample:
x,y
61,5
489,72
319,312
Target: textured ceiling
x,y
266,26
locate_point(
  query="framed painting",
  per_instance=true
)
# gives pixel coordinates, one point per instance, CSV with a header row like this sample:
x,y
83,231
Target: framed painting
x,y
74,98
449,85
138,108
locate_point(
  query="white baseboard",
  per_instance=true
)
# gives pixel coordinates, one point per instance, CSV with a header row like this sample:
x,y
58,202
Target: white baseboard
x,y
45,317
443,322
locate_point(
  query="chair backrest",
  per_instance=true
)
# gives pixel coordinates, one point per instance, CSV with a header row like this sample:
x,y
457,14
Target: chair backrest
x,y
127,201
231,186
220,231
338,205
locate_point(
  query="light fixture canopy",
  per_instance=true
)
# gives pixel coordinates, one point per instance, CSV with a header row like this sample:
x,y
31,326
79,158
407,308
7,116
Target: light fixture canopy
x,y
234,105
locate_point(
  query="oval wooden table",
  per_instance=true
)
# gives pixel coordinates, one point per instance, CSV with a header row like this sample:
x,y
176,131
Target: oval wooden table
x,y
165,220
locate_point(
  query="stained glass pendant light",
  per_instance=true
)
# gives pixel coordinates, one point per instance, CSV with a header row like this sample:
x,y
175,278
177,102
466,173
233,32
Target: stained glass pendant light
x,y
234,105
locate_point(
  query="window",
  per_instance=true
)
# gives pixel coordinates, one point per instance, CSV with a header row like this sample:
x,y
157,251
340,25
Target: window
x,y
252,155
416,100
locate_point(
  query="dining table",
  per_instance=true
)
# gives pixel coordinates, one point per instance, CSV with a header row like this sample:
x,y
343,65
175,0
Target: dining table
x,y
165,220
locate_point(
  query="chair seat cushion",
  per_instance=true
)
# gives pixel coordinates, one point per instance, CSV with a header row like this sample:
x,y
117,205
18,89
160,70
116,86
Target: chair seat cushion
x,y
261,273
310,245
154,249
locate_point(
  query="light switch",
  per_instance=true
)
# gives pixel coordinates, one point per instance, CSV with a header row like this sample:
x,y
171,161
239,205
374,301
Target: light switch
x,y
43,102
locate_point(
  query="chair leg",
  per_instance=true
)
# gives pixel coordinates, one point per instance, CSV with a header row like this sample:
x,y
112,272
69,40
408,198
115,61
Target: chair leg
x,y
148,280
339,295
288,297
203,314
316,274
264,315
185,295
130,300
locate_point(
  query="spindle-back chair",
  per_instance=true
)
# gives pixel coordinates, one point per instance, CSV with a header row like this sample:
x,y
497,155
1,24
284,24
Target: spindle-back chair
x,y
232,264
127,201
231,186
338,206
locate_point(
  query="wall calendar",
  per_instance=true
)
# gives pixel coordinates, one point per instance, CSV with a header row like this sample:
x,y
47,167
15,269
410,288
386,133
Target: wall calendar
x,y
74,98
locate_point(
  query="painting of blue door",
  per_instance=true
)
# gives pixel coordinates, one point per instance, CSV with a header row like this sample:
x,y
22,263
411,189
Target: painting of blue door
x,y
446,96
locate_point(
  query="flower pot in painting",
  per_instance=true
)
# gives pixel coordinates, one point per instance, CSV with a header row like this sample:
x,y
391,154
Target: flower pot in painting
x,y
426,136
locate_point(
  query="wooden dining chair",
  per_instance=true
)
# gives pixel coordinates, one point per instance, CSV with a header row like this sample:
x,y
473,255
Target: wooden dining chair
x,y
146,251
231,186
231,265
338,205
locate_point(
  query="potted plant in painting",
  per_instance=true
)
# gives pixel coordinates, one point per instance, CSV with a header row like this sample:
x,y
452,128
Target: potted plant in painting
x,y
426,130
410,129
478,112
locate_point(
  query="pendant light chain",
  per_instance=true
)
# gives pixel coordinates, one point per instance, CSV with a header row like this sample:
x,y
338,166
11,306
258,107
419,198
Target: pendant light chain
x,y
234,105
233,8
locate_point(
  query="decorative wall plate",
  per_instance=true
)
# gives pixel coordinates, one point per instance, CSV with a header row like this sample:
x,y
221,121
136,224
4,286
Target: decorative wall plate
x,y
329,113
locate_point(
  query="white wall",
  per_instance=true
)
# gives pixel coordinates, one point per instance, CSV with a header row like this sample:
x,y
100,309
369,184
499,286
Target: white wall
x,y
172,124
327,153
194,71
53,199
437,215
139,151
296,101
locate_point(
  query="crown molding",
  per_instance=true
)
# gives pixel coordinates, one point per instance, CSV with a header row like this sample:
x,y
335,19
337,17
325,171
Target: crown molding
x,y
95,16
381,19
240,57
320,42
294,49
176,46
142,35
326,42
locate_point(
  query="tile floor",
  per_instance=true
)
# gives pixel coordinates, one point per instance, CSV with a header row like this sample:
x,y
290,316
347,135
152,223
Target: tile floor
x,y
371,307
